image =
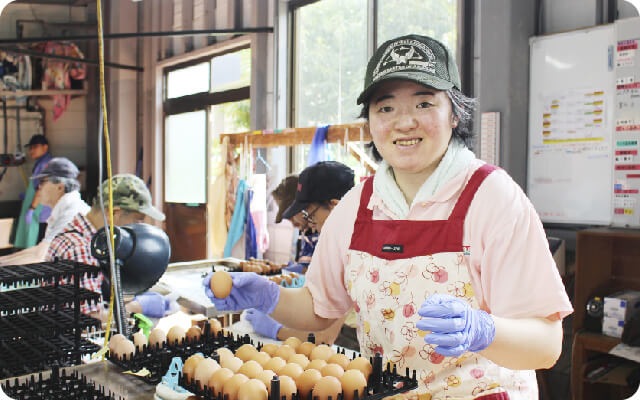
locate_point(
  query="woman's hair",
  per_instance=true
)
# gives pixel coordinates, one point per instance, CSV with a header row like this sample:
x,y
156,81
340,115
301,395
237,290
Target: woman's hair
x,y
70,184
462,108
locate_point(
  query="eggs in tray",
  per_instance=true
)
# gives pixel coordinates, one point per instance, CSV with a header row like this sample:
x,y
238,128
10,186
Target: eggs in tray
x,y
247,373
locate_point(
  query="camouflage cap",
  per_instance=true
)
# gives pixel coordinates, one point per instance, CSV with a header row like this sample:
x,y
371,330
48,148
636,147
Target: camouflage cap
x,y
130,193
416,58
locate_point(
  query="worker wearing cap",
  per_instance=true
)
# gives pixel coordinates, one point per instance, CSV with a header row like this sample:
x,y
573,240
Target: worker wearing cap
x,y
59,191
131,204
442,256
33,218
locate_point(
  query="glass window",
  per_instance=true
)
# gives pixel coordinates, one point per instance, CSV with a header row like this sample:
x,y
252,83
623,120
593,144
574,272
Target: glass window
x,y
330,60
231,71
435,18
228,118
189,80
185,157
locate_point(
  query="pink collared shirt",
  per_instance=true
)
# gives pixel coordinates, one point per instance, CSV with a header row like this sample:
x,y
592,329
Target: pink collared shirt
x,y
512,271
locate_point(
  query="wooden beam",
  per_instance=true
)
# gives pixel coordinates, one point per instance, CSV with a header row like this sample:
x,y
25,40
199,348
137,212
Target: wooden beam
x,y
297,136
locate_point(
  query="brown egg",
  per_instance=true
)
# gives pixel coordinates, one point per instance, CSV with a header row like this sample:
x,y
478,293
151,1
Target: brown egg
x,y
266,376
316,364
285,352
194,333
299,359
287,387
306,381
362,364
287,279
233,363
306,348
214,326
223,352
253,389
353,380
232,386
176,334
245,352
339,359
261,357
140,340
327,386
115,339
221,284
218,379
322,352
251,369
275,364
190,366
332,370
204,370
124,348
157,336
292,369
294,342
270,349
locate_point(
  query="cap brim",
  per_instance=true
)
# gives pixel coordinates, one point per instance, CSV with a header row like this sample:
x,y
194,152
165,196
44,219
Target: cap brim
x,y
279,216
39,176
417,77
294,208
153,213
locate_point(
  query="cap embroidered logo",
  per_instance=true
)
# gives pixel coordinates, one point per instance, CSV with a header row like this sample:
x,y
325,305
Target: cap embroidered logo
x,y
403,54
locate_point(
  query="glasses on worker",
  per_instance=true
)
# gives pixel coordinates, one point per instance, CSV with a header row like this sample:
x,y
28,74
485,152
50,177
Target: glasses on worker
x,y
308,216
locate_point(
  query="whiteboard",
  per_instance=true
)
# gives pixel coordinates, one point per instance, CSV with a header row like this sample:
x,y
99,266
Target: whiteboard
x,y
571,119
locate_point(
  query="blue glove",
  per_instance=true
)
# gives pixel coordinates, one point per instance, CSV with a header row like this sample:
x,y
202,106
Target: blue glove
x,y
249,290
291,267
263,324
153,304
456,327
28,216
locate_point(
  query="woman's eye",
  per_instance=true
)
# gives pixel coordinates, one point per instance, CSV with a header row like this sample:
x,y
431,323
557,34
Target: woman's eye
x,y
424,104
385,109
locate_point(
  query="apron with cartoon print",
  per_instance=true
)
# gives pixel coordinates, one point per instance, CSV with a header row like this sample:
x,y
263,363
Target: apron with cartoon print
x,y
392,267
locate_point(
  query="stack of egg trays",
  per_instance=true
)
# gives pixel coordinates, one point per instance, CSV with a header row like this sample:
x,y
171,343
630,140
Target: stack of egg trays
x,y
37,327
157,359
58,386
382,383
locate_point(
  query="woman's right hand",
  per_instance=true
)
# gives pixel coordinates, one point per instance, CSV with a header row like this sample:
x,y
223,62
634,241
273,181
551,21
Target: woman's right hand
x,y
249,290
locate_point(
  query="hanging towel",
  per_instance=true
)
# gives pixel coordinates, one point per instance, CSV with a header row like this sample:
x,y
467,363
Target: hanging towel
x,y
251,247
238,220
27,234
318,150
217,202
258,209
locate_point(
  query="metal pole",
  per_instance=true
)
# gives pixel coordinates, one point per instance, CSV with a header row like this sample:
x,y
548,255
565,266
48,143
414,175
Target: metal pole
x,y
67,58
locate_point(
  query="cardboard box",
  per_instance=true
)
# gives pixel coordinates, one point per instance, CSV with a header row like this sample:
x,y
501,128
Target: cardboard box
x,y
612,327
620,305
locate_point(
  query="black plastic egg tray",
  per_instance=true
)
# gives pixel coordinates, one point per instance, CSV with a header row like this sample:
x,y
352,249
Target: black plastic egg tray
x,y
43,323
58,386
45,272
382,382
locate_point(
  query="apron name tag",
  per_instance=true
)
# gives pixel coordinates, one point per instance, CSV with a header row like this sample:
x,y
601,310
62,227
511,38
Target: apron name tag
x,y
392,248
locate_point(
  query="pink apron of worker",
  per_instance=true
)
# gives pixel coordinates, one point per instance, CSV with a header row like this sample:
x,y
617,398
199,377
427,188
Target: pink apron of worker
x,y
395,265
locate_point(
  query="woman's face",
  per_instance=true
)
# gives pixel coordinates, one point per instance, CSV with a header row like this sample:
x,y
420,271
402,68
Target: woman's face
x,y
49,193
411,126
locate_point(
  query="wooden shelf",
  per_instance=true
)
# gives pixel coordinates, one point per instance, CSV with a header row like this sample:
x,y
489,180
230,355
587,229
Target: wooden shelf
x,y
597,342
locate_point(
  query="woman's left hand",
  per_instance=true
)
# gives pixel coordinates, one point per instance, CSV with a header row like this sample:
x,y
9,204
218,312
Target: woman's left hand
x,y
455,327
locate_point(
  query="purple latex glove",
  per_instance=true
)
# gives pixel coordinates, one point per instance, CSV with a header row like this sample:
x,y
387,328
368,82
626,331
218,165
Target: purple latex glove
x,y
263,324
291,267
249,290
28,216
153,304
456,327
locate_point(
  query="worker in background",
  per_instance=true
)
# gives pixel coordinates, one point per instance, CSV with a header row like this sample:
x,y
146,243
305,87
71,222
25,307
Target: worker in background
x,y
33,217
319,188
131,204
58,190
442,256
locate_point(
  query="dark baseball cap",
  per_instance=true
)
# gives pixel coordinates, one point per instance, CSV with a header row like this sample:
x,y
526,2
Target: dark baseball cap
x,y
59,167
37,139
416,58
319,182
285,194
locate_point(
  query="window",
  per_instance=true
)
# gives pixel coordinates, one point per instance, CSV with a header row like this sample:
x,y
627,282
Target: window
x,y
189,80
231,71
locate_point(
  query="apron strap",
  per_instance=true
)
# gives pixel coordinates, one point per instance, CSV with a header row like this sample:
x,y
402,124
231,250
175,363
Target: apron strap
x,y
364,214
464,201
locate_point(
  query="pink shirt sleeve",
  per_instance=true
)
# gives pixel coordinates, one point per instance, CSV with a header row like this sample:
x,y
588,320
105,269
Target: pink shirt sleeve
x,y
511,264
325,277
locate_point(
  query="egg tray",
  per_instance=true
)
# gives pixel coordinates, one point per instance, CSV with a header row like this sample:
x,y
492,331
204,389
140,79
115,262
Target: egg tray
x,y
44,323
36,297
157,359
382,383
58,386
44,272
29,355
